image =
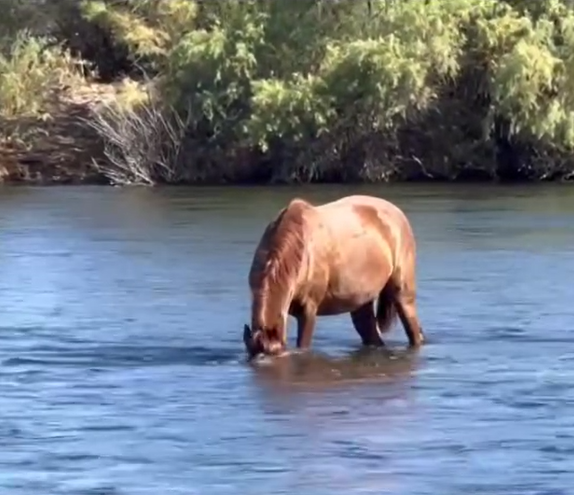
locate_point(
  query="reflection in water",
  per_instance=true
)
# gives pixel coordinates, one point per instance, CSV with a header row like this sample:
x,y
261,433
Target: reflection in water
x,y
339,411
310,371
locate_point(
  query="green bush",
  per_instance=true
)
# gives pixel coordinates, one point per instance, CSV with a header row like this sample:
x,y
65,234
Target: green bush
x,y
354,90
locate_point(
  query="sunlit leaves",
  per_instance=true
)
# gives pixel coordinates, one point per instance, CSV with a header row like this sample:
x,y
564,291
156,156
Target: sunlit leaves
x,y
151,28
254,73
267,70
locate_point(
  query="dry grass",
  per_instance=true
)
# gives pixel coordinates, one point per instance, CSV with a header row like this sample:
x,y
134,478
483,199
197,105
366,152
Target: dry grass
x,y
143,139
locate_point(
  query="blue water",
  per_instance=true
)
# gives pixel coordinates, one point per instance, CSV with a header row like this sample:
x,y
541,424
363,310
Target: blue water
x,y
122,369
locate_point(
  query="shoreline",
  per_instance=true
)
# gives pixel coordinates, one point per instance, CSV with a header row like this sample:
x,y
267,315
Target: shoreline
x,y
33,169
31,177
57,148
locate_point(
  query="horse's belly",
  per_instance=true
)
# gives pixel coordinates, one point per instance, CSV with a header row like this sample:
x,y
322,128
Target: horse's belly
x,y
338,305
358,277
358,271
352,292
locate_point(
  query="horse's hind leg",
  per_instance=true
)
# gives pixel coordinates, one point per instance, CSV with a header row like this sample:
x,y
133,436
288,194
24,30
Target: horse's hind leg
x,y
406,308
365,324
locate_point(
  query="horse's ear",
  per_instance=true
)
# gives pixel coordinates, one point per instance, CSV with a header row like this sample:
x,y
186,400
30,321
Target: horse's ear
x,y
246,334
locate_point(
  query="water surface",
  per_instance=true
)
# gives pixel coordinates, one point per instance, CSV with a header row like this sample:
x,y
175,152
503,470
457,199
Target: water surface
x,y
122,368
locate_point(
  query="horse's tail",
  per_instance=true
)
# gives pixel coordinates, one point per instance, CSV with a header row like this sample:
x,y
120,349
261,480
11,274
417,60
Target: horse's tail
x,y
386,308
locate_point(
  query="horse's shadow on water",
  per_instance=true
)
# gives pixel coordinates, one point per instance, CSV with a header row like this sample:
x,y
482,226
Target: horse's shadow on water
x,y
311,371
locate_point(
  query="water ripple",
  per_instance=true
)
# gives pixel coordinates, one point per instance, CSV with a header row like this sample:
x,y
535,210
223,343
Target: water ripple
x,y
95,357
122,370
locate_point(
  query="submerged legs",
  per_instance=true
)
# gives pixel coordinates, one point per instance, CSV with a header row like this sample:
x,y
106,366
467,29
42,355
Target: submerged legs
x,y
365,321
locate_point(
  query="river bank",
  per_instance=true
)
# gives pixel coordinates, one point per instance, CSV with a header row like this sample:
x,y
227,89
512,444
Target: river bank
x,y
55,147
283,92
58,146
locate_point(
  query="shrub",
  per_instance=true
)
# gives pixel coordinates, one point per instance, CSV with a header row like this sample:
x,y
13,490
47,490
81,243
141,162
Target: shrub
x,y
143,139
343,90
30,69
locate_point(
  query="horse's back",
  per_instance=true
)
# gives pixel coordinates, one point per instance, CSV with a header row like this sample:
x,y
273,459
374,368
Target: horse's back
x,y
346,218
351,215
358,202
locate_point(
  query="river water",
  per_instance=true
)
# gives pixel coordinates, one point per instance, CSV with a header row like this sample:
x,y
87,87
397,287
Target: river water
x,y
122,369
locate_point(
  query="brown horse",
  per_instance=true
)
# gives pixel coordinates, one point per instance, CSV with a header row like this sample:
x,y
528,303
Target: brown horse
x,y
335,258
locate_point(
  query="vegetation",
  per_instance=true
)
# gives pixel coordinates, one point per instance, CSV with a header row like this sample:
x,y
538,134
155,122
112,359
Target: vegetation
x,y
309,90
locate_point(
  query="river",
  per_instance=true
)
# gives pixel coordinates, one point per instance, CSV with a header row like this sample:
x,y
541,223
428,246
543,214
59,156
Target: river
x,y
122,368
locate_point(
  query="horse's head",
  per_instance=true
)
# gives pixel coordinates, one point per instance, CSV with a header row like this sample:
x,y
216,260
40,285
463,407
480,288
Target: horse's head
x,y
263,341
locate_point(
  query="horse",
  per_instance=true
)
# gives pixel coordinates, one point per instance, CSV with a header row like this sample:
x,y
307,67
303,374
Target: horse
x,y
329,259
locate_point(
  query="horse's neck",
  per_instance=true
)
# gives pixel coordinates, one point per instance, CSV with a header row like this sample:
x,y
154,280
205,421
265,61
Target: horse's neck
x,y
272,305
280,282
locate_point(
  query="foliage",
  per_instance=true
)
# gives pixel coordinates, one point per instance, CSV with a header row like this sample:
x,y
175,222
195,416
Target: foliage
x,y
346,89
30,69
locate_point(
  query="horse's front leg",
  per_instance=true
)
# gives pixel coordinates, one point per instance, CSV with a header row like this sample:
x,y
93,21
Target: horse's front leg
x,y
305,327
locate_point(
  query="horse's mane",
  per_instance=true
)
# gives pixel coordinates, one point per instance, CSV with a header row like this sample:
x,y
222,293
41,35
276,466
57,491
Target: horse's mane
x,y
284,251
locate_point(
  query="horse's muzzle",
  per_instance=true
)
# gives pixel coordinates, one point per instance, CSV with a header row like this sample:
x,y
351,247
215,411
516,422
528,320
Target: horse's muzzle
x,y
258,342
